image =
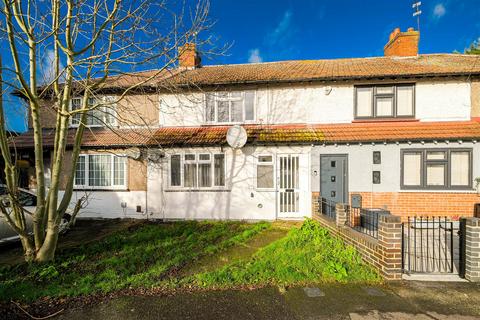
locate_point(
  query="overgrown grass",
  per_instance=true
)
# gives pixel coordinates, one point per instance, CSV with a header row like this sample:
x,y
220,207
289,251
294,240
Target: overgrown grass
x,y
306,255
143,257
154,255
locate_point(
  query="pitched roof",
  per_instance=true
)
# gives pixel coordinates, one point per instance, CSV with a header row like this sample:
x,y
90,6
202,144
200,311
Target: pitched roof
x,y
308,70
270,134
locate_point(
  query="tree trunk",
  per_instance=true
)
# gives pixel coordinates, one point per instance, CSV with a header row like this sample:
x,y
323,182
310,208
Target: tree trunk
x,y
47,251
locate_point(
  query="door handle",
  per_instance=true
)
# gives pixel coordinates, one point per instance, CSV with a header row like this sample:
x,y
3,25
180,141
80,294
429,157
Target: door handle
x,y
289,190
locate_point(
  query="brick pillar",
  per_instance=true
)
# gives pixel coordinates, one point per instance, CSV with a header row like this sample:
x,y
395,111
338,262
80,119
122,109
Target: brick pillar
x,y
472,250
390,246
341,215
315,204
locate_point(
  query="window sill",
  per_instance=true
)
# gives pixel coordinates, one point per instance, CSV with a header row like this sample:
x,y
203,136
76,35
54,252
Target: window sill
x,y
439,190
79,189
361,120
197,190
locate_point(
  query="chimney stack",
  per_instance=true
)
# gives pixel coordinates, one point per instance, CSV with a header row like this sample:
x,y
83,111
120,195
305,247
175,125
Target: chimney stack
x,y
402,44
188,56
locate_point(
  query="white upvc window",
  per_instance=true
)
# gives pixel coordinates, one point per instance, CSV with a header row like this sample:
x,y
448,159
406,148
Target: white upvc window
x,y
265,172
197,170
104,114
101,171
230,107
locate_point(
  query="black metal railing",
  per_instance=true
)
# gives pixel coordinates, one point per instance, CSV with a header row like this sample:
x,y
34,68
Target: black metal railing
x,y
328,208
364,220
430,245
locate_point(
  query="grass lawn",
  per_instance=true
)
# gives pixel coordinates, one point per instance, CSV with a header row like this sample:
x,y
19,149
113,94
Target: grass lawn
x,y
157,255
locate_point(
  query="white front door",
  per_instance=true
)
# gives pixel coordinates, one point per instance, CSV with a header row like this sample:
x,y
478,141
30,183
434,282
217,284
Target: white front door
x,y
290,181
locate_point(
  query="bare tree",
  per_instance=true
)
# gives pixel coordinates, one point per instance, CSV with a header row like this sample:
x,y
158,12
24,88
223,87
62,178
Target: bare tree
x,y
91,44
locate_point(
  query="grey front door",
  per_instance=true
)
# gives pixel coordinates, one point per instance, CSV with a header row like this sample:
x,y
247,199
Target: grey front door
x,y
333,177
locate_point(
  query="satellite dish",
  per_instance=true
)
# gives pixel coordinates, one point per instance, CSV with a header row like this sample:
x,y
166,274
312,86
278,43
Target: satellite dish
x,y
236,137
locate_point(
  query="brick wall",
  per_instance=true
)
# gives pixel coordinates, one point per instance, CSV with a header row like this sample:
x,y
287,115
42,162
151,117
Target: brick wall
x,y
402,43
422,203
472,250
383,253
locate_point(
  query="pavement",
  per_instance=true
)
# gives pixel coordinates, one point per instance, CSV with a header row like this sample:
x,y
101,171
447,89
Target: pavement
x,y
403,300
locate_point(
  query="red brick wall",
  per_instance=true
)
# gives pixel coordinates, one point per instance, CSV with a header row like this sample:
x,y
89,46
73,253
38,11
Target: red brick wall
x,y
402,44
422,203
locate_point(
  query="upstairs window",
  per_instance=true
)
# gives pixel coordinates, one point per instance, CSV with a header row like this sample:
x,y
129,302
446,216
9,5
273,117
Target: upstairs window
x,y
228,107
437,169
385,101
102,114
197,171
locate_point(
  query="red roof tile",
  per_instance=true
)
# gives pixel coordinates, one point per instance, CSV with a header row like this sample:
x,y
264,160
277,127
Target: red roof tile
x,y
271,134
309,70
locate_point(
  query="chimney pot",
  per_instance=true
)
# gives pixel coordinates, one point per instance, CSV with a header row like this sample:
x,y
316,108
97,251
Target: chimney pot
x,y
402,44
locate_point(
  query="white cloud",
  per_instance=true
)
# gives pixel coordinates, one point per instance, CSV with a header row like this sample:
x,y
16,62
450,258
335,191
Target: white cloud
x,y
47,67
254,56
282,30
439,11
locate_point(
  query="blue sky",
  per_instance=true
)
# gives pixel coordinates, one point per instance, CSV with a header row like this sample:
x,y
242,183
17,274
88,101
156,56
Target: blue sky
x,y
272,30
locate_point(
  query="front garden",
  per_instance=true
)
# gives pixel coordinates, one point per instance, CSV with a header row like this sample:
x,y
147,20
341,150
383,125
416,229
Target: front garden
x,y
151,255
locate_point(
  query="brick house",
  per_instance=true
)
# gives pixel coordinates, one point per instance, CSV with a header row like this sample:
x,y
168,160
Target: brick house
x,y
400,130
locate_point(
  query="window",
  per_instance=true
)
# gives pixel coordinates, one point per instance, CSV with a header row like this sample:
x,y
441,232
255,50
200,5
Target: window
x,y
384,101
265,172
437,169
104,113
200,171
101,171
225,107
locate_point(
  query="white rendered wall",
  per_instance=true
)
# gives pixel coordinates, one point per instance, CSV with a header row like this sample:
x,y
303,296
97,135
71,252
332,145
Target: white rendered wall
x,y
240,200
313,103
108,204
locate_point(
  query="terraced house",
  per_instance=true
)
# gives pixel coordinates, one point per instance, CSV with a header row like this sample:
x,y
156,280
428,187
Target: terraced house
x,y
397,132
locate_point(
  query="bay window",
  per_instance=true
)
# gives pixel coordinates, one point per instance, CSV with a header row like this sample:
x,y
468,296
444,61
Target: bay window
x,y
384,101
230,107
101,171
103,112
436,169
197,170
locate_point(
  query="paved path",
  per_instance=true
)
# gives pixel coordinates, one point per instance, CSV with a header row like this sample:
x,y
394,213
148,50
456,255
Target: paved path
x,y
397,301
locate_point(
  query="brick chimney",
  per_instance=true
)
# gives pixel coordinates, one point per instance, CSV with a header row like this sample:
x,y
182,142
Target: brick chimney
x,y
402,44
188,57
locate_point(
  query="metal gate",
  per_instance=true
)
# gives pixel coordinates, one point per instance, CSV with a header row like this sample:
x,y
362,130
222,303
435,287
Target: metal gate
x,y
289,195
432,245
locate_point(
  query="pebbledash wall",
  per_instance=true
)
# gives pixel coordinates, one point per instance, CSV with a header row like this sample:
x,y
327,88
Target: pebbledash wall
x,y
389,194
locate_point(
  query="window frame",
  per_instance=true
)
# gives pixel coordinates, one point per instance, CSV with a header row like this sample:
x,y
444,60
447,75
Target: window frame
x,y
86,186
446,162
217,97
274,172
104,99
197,161
393,95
